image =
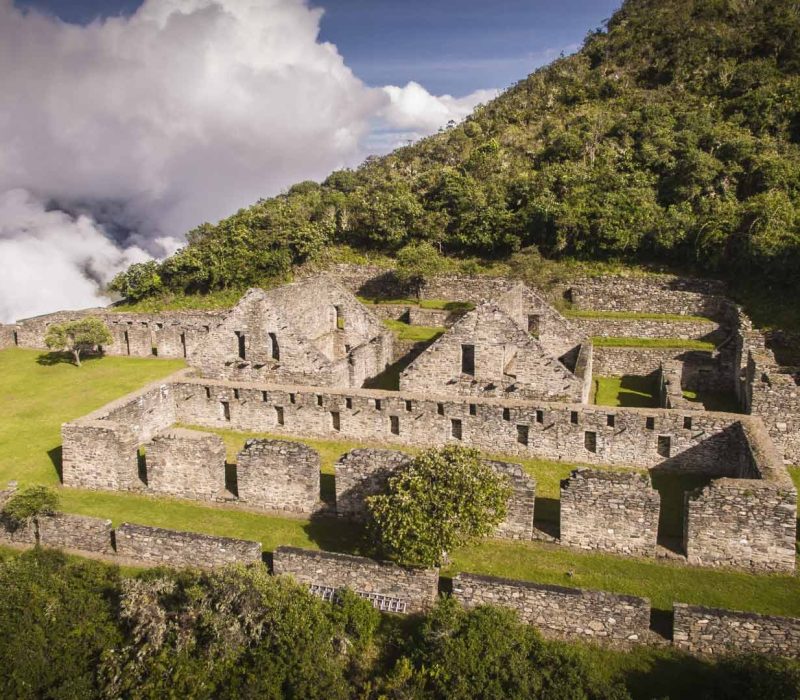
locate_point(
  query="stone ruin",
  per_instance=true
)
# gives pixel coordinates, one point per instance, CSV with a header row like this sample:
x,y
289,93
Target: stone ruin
x,y
512,377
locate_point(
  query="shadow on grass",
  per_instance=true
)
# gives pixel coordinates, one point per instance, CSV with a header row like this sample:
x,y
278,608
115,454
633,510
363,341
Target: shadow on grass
x,y
547,510
55,456
389,379
49,359
723,401
638,392
337,535
327,489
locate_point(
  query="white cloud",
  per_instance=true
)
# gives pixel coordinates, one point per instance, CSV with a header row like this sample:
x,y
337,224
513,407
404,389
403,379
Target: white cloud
x,y
181,113
52,260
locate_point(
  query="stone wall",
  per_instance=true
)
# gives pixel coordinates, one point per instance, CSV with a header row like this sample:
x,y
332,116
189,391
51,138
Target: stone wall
x,y
365,472
670,392
749,521
773,394
660,293
711,631
443,318
554,430
707,330
279,475
700,370
361,473
99,454
561,612
80,532
186,464
610,511
173,548
388,586
8,336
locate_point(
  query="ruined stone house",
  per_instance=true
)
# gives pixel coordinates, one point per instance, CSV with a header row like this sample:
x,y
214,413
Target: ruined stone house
x,y
311,332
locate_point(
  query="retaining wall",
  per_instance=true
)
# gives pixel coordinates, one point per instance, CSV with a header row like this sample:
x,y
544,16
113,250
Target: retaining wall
x,y
390,587
561,612
173,548
712,631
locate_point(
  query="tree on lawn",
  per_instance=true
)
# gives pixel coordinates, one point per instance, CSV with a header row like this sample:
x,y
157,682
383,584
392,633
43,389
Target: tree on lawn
x,y
75,337
444,499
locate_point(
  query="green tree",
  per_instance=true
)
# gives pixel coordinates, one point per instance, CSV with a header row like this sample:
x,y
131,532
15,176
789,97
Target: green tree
x,y
76,337
488,653
445,498
417,262
140,280
57,617
27,505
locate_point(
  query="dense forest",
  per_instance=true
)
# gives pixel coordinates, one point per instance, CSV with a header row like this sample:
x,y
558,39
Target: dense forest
x,y
81,629
672,136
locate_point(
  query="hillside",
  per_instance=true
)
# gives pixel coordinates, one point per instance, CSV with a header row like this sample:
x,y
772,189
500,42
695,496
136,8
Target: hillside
x,y
672,136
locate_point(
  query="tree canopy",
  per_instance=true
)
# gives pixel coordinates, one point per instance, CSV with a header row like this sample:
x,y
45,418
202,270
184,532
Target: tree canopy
x,y
77,337
444,498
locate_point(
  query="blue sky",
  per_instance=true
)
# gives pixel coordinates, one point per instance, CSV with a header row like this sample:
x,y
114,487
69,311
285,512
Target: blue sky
x,y
448,46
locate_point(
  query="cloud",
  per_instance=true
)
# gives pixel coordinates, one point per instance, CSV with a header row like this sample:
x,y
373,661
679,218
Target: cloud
x,y
143,127
52,260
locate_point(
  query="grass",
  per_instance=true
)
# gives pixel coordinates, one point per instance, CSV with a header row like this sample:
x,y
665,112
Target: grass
x,y
666,343
436,304
417,334
39,395
628,391
221,299
633,316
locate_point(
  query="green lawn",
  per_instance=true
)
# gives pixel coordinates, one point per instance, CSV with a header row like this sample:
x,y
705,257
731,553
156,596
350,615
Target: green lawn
x,y
629,391
38,396
660,343
419,334
632,316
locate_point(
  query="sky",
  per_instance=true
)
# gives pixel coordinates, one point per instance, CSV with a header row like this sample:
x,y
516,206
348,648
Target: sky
x,y
128,122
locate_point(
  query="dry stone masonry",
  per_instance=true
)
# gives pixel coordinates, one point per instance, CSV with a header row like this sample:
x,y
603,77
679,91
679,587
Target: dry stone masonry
x,y
610,511
279,475
389,587
561,612
715,632
156,545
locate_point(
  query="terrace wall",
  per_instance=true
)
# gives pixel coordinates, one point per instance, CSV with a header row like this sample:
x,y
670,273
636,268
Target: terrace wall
x,y
561,612
408,590
712,631
173,548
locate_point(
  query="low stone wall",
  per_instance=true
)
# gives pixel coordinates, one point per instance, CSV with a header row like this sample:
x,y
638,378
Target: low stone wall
x,y
650,328
65,531
279,475
8,336
174,548
99,454
389,587
186,464
443,318
670,391
610,511
655,293
561,612
711,631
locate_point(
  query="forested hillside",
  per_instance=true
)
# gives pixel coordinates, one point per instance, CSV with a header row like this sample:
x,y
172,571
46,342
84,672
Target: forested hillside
x,y
672,136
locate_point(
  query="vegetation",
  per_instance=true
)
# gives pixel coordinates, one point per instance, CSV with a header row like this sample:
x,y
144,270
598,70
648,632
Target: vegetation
x,y
73,628
666,343
30,502
76,337
417,334
445,498
672,136
633,316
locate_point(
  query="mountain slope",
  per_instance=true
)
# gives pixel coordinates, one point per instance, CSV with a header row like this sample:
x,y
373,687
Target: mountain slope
x,y
673,135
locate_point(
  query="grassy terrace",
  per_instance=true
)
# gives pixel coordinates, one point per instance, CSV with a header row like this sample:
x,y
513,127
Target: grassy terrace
x,y
633,316
39,397
658,343
630,391
437,304
417,334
